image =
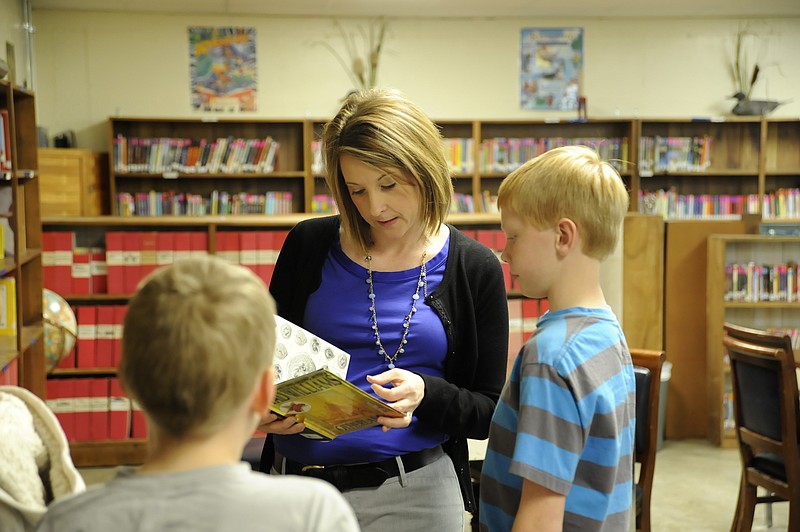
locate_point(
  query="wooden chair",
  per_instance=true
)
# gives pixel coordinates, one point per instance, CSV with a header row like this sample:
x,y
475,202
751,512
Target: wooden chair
x,y
647,368
765,409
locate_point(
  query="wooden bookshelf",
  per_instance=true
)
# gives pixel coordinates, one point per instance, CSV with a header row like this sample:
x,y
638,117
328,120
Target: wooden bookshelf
x,y
22,355
724,250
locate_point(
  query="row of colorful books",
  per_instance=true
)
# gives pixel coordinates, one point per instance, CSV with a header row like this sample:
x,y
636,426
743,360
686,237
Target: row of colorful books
x,y
671,205
459,154
783,203
155,203
674,154
752,282
94,409
504,154
129,256
160,155
323,204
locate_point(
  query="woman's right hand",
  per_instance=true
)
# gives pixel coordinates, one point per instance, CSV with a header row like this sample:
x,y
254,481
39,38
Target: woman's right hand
x,y
274,424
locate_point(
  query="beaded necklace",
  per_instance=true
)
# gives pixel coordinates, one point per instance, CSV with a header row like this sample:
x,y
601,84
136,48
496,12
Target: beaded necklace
x,y
422,282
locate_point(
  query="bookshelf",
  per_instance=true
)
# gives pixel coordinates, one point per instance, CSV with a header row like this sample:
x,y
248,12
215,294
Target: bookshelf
x,y
22,347
744,306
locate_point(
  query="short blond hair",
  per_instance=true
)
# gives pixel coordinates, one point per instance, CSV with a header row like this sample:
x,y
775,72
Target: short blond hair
x,y
381,128
570,182
197,335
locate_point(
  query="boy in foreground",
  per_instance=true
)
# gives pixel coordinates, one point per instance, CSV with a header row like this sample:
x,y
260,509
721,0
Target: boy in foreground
x,y
560,451
198,343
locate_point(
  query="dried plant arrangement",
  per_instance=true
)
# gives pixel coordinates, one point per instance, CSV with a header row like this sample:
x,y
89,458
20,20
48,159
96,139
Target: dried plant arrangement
x,y
362,51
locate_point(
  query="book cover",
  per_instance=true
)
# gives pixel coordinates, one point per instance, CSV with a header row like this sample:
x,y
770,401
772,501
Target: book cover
x,y
310,374
8,306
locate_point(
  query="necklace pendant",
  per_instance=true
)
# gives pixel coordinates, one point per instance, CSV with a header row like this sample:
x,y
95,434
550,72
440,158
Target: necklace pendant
x,y
391,365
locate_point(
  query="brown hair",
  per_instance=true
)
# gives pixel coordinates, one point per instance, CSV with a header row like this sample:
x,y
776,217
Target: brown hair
x,y
382,128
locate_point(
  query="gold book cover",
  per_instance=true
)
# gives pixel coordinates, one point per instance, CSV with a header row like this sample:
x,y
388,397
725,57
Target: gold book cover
x,y
329,405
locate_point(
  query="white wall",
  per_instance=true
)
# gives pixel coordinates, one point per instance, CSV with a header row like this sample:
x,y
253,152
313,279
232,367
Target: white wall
x,y
91,65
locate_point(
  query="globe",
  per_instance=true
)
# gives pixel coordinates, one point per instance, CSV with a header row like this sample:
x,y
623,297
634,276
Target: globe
x,y
60,328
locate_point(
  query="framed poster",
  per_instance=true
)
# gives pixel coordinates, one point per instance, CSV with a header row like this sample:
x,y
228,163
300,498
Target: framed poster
x,y
551,66
223,69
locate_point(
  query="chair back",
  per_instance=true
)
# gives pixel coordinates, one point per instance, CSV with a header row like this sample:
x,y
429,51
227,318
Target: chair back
x,y
765,405
647,366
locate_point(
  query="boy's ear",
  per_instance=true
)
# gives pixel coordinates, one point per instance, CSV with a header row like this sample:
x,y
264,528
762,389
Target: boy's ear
x,y
265,391
567,233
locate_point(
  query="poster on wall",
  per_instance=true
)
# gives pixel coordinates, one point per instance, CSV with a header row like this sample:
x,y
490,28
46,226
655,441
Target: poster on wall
x,y
223,69
551,64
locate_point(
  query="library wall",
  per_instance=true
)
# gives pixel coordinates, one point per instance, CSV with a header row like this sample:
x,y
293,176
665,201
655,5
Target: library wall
x,y
92,65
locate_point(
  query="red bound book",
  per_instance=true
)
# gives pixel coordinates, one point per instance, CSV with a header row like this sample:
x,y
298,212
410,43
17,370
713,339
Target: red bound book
x,y
60,394
198,243
499,240
138,422
149,253
119,320
183,245
48,260
98,408
470,233
506,275
544,306
81,272
99,271
165,245
530,315
228,246
248,250
115,262
278,237
119,417
86,344
105,337
487,238
265,255
68,361
132,242
9,374
515,331
81,408
62,266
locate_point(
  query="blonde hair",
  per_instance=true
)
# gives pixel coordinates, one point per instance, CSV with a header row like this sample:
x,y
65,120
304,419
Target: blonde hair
x,y
197,335
569,182
382,128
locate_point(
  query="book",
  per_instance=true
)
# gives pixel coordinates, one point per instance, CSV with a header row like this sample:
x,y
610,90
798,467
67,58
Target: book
x,y
311,384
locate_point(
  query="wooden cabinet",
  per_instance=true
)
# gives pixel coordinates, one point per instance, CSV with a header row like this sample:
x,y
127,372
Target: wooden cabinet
x,y
743,302
685,323
73,182
21,351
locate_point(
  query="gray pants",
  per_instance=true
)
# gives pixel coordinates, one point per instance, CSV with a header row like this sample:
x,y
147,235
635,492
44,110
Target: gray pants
x,y
425,500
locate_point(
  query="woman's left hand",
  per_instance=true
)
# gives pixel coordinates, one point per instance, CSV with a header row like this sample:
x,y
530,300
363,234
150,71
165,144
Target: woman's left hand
x,y
405,394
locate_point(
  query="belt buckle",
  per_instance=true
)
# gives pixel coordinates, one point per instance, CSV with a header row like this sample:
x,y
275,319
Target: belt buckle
x,y
307,468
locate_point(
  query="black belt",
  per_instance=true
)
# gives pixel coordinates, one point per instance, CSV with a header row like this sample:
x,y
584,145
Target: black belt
x,y
367,475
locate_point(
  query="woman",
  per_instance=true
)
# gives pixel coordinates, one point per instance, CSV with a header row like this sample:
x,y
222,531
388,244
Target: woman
x,y
420,307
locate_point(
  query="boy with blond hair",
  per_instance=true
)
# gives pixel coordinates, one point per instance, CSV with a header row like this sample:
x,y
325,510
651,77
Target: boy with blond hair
x,y
560,451
198,343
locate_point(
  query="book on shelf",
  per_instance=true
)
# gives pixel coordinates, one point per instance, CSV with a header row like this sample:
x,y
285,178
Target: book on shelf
x,y
311,384
8,306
